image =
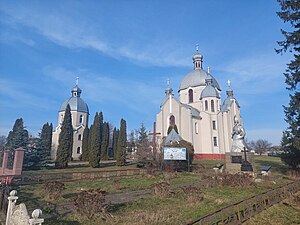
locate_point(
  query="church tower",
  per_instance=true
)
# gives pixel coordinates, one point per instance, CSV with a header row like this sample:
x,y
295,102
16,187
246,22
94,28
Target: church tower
x,y
80,115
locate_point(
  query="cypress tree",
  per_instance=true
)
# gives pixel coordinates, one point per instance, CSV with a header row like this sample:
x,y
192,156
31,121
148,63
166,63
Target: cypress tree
x,y
105,141
65,141
95,144
121,145
291,137
115,141
44,145
85,145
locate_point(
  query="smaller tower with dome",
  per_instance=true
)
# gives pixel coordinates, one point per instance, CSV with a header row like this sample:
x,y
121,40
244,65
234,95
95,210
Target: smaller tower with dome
x,y
80,116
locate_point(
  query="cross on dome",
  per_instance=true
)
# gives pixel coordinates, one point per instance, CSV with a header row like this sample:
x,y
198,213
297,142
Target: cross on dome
x,y
228,83
77,79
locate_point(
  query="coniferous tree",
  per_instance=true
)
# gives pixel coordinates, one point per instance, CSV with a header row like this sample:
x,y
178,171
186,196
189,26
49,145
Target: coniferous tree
x,y
291,137
44,145
18,137
85,145
105,141
95,142
144,152
121,146
115,141
65,141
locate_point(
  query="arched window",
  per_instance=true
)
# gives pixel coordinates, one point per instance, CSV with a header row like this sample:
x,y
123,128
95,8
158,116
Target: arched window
x,y
212,104
80,119
196,128
78,150
79,137
172,120
191,97
206,105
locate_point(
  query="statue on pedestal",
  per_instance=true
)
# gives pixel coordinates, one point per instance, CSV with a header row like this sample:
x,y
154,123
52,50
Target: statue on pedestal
x,y
238,135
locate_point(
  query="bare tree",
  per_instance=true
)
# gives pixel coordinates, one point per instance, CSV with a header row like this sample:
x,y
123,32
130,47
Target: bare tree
x,y
261,146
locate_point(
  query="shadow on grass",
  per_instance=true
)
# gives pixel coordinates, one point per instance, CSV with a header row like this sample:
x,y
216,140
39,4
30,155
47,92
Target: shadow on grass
x,y
116,207
70,195
275,165
57,221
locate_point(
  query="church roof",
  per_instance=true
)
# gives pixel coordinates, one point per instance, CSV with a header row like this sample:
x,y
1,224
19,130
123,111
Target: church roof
x,y
196,78
195,112
228,101
198,75
75,102
209,91
172,137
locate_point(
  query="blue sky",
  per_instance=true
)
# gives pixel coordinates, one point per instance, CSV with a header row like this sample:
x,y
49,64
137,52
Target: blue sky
x,y
124,51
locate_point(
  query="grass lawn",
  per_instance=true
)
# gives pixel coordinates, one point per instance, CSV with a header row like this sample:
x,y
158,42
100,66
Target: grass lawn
x,y
150,209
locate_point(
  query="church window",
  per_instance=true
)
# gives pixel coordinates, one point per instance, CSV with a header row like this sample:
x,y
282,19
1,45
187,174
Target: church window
x,y
172,120
196,128
80,119
206,105
212,104
214,126
79,137
215,141
78,150
191,96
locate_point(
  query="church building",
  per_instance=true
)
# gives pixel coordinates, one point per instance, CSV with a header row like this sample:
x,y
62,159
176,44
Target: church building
x,y
80,116
199,114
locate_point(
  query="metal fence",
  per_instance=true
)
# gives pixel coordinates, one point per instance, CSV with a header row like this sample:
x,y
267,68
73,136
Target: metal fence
x,y
241,211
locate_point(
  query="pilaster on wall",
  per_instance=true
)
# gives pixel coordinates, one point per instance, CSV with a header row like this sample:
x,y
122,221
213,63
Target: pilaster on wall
x,y
18,161
4,162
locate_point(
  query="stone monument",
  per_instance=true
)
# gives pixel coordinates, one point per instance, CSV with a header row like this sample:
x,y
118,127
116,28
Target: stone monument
x,y
236,159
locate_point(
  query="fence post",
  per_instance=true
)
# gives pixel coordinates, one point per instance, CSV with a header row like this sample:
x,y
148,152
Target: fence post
x,y
12,199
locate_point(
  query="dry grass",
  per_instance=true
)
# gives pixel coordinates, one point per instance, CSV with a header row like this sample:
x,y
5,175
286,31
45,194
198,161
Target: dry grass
x,y
287,212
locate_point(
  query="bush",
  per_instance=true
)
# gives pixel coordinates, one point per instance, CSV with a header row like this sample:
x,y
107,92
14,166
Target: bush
x,y
232,180
53,190
90,203
192,194
161,189
293,174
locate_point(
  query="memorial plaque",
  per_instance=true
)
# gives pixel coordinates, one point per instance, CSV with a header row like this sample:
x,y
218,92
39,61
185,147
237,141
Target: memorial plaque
x,y
236,159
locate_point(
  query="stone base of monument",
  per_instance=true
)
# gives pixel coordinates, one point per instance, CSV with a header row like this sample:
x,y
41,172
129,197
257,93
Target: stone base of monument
x,y
234,161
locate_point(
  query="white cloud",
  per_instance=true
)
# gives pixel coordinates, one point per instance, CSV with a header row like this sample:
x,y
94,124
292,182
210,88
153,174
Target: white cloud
x,y
60,29
98,88
19,95
258,74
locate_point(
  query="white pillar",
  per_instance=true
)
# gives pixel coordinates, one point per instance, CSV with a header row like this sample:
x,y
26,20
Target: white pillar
x,y
35,217
12,199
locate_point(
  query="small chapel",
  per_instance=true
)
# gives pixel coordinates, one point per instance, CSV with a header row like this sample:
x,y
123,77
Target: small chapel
x,y
199,114
80,118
